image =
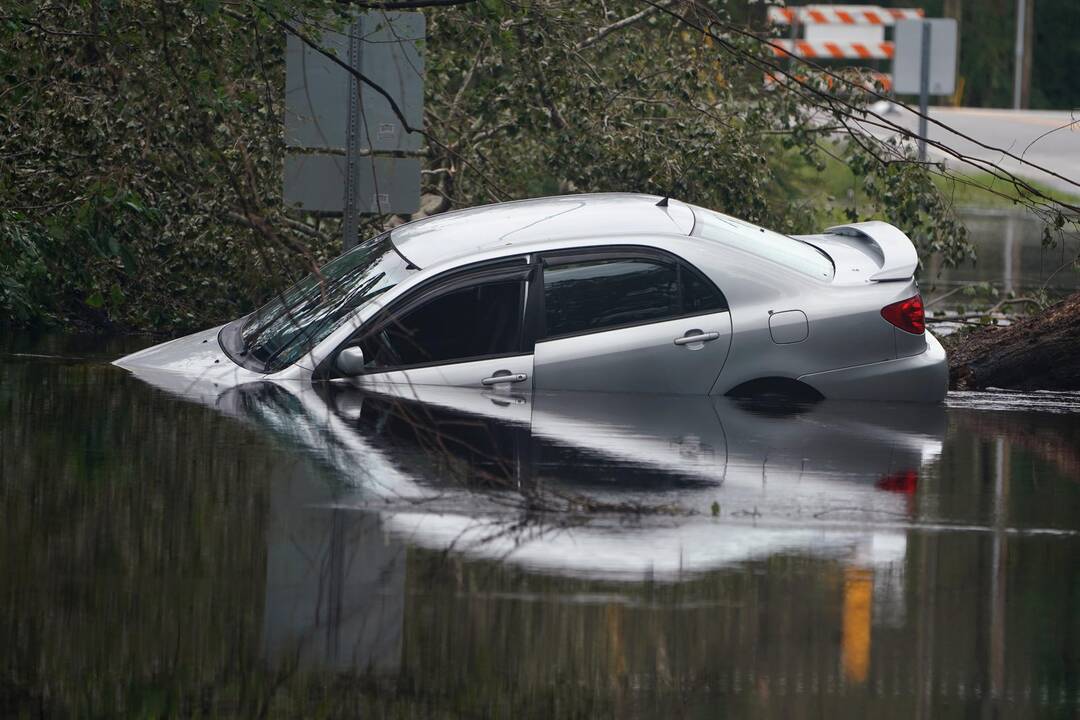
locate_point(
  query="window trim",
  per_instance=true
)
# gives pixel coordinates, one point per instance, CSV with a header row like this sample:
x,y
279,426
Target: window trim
x,y
442,363
517,267
538,308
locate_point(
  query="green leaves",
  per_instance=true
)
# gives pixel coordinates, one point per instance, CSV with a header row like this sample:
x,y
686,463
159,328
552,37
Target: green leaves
x,y
95,300
24,276
137,164
206,7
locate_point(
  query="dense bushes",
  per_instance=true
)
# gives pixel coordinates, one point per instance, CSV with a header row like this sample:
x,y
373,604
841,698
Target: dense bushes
x,y
141,142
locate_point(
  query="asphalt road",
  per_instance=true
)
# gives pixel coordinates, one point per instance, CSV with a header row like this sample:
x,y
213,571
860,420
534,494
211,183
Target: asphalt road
x,y
1048,141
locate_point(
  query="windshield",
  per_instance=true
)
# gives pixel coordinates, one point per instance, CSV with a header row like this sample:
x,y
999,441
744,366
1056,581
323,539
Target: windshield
x,y
282,331
786,251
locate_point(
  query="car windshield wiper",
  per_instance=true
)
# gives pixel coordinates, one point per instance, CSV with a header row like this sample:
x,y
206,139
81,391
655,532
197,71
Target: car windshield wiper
x,y
247,342
325,289
308,333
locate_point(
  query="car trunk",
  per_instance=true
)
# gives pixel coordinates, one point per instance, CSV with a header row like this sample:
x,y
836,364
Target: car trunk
x,y
880,258
867,251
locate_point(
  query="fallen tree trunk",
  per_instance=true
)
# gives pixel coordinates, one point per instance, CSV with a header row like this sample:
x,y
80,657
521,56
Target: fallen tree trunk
x,y
1037,353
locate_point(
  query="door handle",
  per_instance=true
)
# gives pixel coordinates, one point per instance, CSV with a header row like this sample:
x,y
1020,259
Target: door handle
x,y
504,376
697,337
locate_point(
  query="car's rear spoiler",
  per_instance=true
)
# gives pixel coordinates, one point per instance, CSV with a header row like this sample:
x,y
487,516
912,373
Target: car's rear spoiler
x,y
898,256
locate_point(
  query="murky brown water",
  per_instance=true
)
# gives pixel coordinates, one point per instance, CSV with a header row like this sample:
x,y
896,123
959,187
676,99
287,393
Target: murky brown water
x,y
290,553
1010,256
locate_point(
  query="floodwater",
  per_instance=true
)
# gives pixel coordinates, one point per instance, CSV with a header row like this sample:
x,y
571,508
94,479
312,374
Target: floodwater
x,y
172,549
1010,256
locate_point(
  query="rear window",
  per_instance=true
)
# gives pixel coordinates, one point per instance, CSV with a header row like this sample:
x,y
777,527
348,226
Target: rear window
x,y
594,295
781,249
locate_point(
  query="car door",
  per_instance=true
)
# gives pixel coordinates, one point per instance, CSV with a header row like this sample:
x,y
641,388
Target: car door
x,y
463,331
627,319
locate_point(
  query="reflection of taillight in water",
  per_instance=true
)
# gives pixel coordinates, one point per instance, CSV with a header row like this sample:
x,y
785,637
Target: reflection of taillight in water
x,y
906,482
907,315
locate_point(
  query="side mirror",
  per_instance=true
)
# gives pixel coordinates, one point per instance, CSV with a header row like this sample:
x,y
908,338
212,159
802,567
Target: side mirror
x,y
350,361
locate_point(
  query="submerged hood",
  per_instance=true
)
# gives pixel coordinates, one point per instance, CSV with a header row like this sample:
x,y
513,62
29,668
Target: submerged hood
x,y
195,356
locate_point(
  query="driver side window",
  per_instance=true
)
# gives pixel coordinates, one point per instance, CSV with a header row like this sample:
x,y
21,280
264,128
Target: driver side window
x,y
467,323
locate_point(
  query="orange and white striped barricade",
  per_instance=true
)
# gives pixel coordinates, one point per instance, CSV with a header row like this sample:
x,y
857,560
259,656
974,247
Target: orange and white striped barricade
x,y
841,15
883,50
871,80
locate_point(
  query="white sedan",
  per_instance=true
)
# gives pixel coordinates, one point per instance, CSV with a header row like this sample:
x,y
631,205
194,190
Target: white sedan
x,y
608,292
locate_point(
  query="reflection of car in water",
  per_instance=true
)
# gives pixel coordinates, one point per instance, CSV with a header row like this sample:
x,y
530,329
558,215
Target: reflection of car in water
x,y
404,468
633,445
808,479
611,293
799,476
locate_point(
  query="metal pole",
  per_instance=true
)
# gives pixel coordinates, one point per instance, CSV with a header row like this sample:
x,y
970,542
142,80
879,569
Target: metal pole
x,y
792,62
350,223
924,88
1018,67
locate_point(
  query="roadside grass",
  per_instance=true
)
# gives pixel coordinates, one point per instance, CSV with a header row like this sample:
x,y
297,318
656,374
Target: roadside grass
x,y
828,193
1000,194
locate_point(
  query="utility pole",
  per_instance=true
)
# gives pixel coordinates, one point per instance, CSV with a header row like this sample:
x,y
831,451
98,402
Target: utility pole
x,y
955,9
1025,20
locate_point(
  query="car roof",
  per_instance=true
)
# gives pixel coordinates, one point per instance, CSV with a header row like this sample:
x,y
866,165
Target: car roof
x,y
521,223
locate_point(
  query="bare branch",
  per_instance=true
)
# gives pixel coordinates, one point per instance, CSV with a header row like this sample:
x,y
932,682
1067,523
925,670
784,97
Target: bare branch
x,y
619,25
832,102
408,4
47,30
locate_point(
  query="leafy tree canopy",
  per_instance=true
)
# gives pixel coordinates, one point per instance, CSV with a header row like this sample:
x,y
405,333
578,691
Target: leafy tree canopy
x,y
141,141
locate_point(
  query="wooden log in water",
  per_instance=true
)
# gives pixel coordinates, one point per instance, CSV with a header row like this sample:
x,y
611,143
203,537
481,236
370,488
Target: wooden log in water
x,y
1041,352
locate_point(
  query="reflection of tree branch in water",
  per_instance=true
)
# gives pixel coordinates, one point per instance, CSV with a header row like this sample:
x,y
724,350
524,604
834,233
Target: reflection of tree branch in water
x,y
860,510
464,461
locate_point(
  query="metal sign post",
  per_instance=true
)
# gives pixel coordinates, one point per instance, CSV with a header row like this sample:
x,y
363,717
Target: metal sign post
x,y
350,222
924,88
925,64
1018,67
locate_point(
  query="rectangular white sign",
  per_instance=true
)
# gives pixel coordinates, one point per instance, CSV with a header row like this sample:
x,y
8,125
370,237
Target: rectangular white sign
x,y
907,62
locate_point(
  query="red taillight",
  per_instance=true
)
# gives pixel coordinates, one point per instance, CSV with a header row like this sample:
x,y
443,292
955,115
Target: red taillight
x,y
907,315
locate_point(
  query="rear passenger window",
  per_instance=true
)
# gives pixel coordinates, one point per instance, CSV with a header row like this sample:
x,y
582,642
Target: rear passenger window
x,y
699,295
599,293
592,295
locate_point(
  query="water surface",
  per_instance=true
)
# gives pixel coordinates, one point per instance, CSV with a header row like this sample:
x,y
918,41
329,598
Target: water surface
x,y
174,549
1010,256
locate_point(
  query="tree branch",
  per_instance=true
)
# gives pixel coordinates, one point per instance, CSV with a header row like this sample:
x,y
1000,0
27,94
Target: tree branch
x,y
408,4
619,25
832,101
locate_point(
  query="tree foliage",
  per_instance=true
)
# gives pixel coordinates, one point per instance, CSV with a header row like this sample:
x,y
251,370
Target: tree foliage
x,y
141,141
987,50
